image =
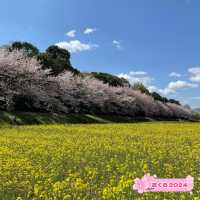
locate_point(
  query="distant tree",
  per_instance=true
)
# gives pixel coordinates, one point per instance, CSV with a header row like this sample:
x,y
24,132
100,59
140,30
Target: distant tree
x,y
125,82
57,60
157,96
174,101
187,106
111,79
28,48
165,99
140,87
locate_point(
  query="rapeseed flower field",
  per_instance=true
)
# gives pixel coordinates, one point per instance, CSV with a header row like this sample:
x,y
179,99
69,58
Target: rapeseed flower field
x,y
83,162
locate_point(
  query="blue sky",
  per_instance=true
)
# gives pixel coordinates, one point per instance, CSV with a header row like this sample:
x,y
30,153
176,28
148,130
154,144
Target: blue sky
x,y
153,41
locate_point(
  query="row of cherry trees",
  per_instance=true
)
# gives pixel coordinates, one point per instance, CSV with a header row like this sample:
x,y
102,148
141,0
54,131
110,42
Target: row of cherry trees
x,y
25,86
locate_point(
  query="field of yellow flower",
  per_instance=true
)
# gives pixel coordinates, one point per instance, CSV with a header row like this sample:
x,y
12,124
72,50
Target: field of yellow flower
x,y
86,162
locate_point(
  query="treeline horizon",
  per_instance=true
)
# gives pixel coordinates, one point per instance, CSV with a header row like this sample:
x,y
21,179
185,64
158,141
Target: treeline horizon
x,y
57,60
36,81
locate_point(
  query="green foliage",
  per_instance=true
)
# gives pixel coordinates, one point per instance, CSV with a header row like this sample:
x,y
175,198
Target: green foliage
x,y
57,60
27,47
140,87
174,101
54,58
158,97
31,118
111,79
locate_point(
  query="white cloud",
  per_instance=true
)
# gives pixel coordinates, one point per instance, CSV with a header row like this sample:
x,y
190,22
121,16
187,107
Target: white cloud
x,y
177,85
195,78
194,70
174,74
89,30
143,77
75,46
138,73
137,76
194,74
117,44
152,88
195,98
71,33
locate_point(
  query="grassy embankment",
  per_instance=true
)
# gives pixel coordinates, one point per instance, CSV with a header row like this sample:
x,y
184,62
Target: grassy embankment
x,y
28,118
22,118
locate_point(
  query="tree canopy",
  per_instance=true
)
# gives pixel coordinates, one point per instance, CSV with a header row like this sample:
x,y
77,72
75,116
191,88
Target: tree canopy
x,y
57,60
27,47
140,87
110,79
156,96
54,58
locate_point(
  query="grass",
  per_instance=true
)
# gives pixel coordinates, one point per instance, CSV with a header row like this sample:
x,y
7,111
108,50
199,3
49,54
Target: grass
x,y
98,161
28,118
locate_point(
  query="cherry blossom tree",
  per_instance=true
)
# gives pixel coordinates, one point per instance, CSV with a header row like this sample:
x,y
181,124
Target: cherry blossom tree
x,y
25,86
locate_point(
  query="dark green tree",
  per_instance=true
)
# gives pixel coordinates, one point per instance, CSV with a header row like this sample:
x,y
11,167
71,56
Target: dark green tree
x,y
157,96
110,79
174,101
140,87
27,47
57,60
